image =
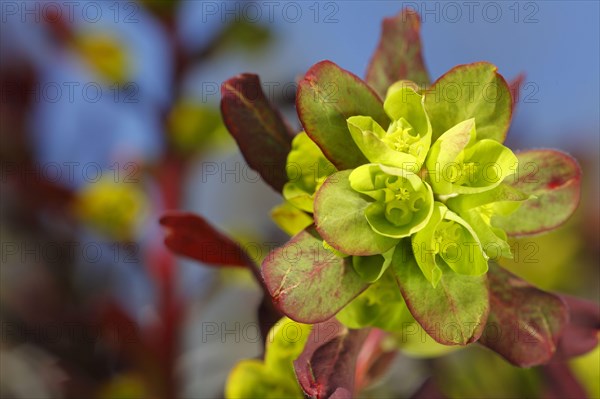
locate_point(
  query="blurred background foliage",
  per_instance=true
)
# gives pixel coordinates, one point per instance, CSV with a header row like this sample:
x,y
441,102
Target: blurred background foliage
x,y
92,304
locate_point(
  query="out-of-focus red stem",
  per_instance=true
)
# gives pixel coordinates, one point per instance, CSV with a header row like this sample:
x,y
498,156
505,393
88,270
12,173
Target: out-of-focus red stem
x,y
59,26
170,181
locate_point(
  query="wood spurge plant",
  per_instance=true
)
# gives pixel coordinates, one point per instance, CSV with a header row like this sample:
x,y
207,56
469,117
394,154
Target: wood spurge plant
x,y
399,196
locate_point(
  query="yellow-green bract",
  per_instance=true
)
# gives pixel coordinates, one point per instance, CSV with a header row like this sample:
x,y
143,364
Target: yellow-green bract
x,y
408,137
274,377
407,173
306,169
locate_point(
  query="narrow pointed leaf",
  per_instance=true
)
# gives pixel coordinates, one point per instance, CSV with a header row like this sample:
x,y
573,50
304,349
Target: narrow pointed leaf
x,y
453,313
192,236
470,91
525,323
326,367
327,96
398,55
308,283
259,130
555,179
515,89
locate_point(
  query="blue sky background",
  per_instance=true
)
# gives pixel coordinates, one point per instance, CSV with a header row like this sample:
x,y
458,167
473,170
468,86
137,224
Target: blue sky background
x,y
556,43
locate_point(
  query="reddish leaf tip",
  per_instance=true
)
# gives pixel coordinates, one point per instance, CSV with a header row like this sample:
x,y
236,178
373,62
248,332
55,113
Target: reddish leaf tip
x,y
192,236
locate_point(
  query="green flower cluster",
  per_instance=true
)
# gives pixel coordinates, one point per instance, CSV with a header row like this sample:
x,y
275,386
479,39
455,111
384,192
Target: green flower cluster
x,y
440,193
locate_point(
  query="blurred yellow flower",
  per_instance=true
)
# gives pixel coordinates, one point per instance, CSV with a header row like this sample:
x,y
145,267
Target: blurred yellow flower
x,y
111,207
123,386
105,55
192,125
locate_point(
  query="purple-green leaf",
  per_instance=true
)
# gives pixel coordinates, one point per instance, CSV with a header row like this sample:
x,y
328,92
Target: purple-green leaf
x,y
259,130
555,179
561,382
307,282
525,323
327,96
326,367
453,313
398,55
470,91
581,334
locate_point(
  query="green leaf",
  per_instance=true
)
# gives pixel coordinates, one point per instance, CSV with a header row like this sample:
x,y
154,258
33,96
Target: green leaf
x,y
340,219
525,323
308,283
398,55
259,130
453,313
290,219
471,91
327,96
554,178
